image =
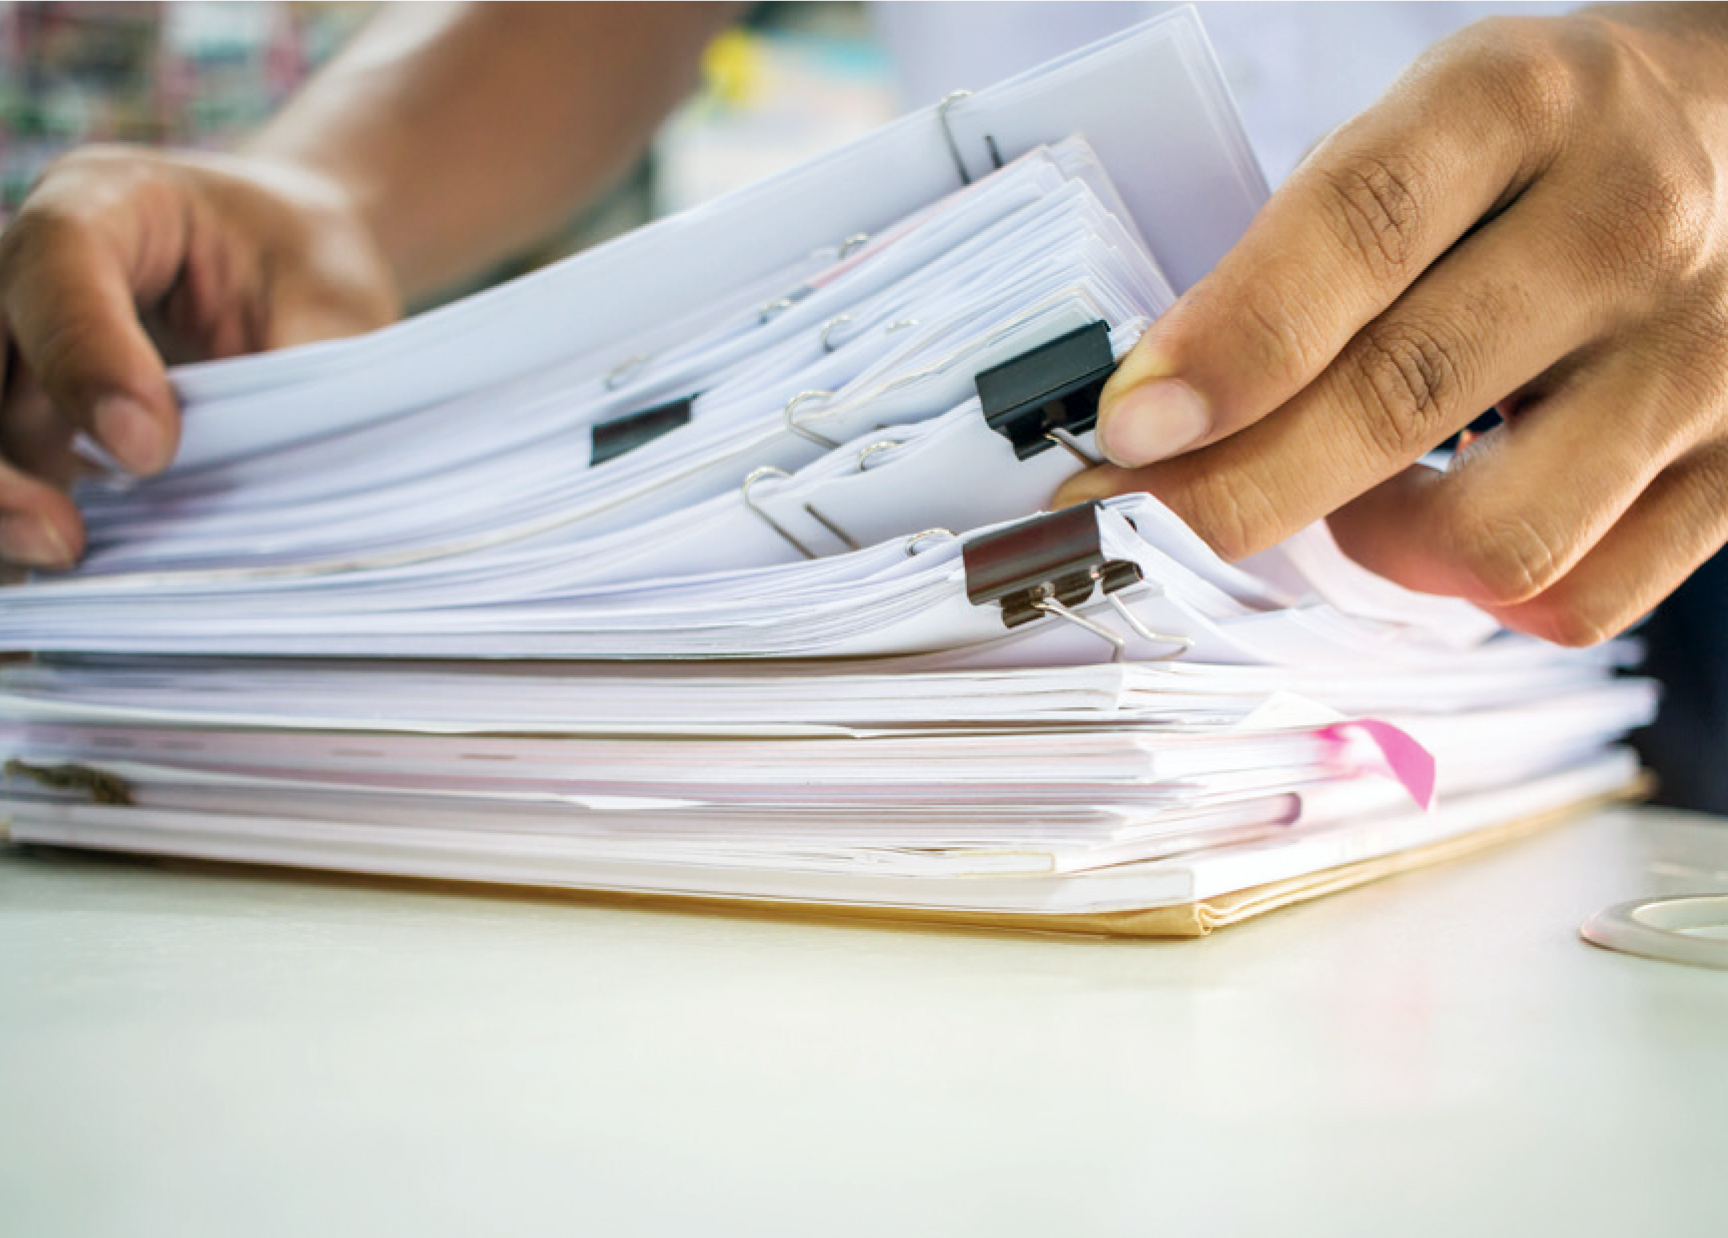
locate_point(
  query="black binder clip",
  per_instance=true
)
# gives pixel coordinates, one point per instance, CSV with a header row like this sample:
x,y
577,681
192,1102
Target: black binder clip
x,y
1046,397
1045,565
623,434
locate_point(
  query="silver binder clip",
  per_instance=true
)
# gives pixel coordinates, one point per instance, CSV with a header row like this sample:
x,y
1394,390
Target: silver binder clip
x,y
1049,565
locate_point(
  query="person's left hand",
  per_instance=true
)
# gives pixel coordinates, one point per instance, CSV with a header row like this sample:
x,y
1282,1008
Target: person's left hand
x,y
1535,219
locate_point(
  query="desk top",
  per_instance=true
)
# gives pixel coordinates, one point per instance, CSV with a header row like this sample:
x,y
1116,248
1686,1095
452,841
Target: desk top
x,y
210,1052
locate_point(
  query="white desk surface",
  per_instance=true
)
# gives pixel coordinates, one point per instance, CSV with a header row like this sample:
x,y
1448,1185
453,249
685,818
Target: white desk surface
x,y
217,1053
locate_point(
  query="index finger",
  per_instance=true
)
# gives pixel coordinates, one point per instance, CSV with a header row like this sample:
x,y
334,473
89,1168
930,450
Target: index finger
x,y
1355,225
67,299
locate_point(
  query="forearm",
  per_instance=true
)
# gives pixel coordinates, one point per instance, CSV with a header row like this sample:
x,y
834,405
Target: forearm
x,y
463,132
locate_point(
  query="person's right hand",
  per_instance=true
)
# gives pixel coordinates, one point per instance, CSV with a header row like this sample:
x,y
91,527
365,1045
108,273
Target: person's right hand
x,y
121,258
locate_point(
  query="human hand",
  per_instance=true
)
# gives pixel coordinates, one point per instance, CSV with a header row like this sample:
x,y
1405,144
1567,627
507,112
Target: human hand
x,y
1535,219
122,257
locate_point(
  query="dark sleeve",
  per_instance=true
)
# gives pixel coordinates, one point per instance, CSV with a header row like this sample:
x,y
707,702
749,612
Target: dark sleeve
x,y
1687,745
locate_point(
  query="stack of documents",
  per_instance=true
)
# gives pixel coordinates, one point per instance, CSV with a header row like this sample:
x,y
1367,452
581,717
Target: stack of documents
x,y
711,565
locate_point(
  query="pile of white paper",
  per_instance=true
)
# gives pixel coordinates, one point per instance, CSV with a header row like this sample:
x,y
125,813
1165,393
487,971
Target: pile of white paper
x,y
708,563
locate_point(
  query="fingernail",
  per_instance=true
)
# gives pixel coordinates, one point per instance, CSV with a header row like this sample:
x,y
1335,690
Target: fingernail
x,y
129,433
1153,421
34,542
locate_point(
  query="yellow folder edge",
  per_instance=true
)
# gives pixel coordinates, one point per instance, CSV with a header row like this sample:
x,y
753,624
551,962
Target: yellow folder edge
x,y
1183,920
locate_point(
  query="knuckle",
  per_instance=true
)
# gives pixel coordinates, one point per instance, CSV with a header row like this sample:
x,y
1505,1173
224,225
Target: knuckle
x,y
1509,558
76,193
39,229
1654,221
1524,68
1409,376
1375,206
82,167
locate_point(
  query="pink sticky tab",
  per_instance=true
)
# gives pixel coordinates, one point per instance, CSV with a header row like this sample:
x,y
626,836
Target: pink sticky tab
x,y
1384,748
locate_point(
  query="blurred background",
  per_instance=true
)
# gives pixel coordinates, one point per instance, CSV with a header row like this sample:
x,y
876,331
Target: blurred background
x,y
792,80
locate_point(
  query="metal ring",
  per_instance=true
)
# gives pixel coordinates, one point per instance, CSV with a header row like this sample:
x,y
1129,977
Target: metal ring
x,y
828,328
792,424
948,101
851,243
618,373
776,306
924,536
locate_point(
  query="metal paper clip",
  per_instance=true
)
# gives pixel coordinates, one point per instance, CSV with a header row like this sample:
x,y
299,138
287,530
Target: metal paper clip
x,y
880,445
948,101
624,369
925,535
828,330
780,305
768,470
756,475
802,431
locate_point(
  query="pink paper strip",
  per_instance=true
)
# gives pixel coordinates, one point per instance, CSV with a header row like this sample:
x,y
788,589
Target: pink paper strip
x,y
1368,743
